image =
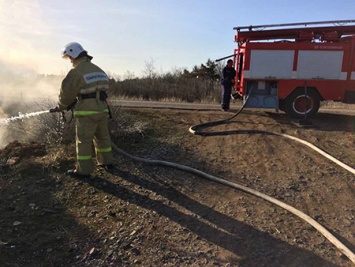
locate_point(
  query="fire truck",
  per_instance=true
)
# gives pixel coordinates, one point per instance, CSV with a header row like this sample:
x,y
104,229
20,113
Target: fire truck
x,y
295,66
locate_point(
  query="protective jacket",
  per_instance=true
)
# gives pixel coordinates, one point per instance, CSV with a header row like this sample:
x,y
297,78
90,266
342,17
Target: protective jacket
x,y
85,79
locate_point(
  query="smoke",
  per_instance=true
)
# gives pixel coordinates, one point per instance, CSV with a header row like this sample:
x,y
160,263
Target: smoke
x,y
22,91
28,47
21,87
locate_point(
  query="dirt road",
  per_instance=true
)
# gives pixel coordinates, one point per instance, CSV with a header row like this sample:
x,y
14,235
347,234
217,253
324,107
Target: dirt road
x,y
332,108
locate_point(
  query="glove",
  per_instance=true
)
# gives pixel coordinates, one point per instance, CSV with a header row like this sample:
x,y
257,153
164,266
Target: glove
x,y
52,110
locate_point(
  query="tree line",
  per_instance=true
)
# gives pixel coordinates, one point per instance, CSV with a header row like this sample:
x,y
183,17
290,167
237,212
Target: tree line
x,y
201,84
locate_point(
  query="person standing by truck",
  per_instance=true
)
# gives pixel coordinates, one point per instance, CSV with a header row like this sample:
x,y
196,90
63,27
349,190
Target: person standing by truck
x,y
227,81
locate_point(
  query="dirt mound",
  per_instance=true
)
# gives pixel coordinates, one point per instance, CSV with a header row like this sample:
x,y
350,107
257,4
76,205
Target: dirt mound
x,y
146,215
15,151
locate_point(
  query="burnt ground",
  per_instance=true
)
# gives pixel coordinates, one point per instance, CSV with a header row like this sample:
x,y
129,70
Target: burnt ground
x,y
148,215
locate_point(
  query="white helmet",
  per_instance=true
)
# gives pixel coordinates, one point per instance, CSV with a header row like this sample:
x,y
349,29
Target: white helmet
x,y
73,50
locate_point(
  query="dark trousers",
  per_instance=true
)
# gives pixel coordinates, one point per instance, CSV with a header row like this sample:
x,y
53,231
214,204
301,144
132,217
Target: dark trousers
x,y
226,96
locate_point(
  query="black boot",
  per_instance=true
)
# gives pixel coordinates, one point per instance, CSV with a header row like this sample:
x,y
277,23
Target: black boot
x,y
224,108
107,167
75,174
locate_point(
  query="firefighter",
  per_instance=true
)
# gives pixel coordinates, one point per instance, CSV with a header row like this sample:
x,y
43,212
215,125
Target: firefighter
x,y
228,76
86,85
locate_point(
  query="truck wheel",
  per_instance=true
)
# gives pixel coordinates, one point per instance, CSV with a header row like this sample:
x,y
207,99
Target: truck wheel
x,y
299,105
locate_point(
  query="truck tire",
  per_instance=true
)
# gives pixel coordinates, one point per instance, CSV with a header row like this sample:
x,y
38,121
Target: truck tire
x,y
300,105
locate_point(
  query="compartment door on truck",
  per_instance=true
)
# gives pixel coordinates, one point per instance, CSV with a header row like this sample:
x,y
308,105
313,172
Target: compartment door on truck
x,y
270,63
320,65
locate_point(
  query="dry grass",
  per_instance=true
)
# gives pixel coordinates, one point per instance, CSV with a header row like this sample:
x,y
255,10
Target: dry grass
x,y
339,105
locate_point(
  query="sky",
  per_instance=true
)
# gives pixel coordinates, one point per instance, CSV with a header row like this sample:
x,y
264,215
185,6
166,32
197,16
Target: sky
x,y
127,36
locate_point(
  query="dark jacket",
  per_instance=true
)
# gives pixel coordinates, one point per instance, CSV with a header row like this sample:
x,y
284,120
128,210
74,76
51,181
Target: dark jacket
x,y
228,74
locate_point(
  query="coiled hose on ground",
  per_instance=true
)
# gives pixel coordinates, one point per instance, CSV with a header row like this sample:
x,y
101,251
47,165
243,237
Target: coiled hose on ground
x,y
195,130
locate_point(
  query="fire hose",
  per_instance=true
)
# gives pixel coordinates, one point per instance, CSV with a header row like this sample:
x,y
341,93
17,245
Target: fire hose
x,y
194,129
346,251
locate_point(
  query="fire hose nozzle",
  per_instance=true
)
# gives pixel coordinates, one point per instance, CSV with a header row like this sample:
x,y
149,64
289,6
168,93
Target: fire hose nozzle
x,y
52,110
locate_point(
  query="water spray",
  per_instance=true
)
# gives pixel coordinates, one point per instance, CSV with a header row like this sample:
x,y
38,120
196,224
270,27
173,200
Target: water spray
x,y
22,116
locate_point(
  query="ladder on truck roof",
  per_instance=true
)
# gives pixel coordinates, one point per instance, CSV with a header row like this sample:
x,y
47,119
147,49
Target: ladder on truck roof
x,y
333,31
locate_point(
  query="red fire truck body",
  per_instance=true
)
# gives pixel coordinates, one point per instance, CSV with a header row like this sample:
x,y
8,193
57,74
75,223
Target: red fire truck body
x,y
295,69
